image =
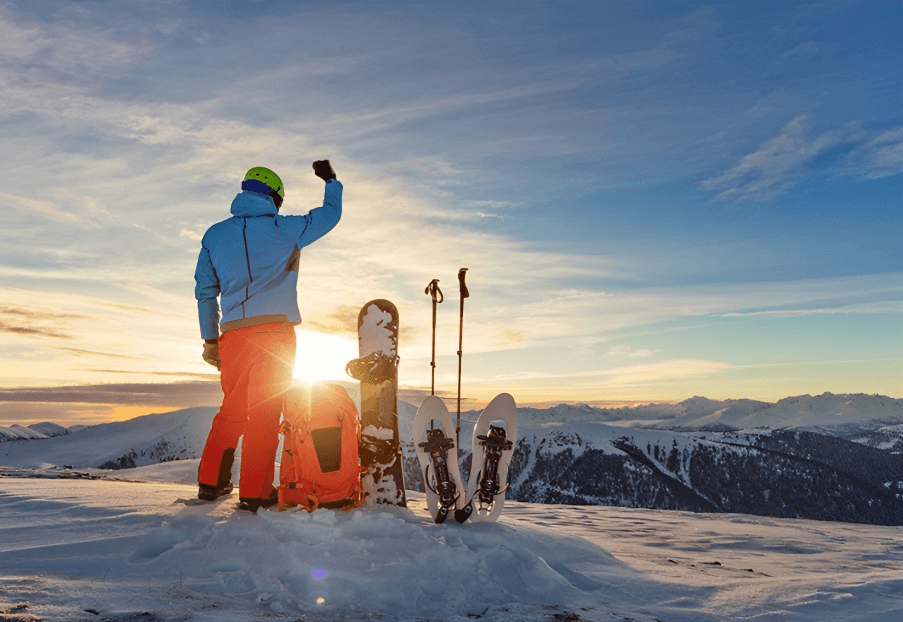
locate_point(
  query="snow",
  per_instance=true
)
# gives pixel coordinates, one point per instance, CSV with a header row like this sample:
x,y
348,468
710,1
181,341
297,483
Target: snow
x,y
146,549
169,435
375,333
135,544
19,432
49,429
701,412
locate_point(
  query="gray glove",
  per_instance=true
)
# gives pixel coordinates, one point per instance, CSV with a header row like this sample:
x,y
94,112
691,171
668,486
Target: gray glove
x,y
211,353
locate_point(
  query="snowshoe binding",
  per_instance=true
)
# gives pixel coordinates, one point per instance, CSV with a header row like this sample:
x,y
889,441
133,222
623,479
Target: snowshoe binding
x,y
437,446
494,443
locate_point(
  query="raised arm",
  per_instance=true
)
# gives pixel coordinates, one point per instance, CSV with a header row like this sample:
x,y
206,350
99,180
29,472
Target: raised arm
x,y
321,220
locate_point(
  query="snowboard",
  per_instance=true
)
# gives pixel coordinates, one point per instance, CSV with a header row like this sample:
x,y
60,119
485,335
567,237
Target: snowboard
x,y
377,371
492,448
434,444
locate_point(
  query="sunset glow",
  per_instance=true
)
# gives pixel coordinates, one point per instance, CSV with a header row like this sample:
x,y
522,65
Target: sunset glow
x,y
654,200
323,357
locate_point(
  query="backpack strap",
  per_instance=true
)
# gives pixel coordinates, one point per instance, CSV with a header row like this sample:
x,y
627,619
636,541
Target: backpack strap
x,y
312,502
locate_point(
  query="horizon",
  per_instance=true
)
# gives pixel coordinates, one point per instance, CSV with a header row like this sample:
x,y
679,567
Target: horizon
x,y
654,201
75,412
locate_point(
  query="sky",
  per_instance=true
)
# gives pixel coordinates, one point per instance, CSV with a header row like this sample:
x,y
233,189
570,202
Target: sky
x,y
654,200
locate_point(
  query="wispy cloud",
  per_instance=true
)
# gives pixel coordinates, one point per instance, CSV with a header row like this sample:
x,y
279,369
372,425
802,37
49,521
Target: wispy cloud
x,y
881,156
783,161
94,353
342,319
30,331
182,394
36,322
634,374
628,351
776,166
43,208
57,47
855,308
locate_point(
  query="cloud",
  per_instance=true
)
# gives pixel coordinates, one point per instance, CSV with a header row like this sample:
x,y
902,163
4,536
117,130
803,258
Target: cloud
x,y
43,208
881,156
171,374
679,369
57,47
891,306
629,375
342,319
627,351
777,165
35,322
509,337
92,353
192,234
784,160
28,331
178,394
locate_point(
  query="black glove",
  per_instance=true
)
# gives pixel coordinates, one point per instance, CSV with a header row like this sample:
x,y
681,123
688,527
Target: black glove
x,y
323,170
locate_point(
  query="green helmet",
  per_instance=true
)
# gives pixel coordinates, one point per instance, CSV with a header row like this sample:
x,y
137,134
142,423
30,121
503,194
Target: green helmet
x,y
260,176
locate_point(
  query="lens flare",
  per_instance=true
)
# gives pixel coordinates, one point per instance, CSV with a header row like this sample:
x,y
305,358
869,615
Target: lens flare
x,y
323,357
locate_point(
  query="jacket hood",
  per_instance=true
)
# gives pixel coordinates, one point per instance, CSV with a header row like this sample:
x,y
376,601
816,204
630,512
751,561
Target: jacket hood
x,y
250,203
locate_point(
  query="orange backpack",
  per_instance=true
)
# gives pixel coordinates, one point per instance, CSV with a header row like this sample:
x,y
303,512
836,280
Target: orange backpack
x,y
320,464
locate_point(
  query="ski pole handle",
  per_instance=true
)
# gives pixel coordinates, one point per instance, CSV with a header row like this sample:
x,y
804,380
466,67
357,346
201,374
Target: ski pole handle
x,y
461,275
433,290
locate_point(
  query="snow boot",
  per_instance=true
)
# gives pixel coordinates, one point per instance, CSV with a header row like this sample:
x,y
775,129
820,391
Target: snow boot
x,y
252,504
212,493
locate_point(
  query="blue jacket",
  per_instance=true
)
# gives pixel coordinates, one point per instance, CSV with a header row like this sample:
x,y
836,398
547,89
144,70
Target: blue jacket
x,y
251,261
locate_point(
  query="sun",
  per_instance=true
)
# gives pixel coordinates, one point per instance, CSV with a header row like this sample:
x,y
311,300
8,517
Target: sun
x,y
323,357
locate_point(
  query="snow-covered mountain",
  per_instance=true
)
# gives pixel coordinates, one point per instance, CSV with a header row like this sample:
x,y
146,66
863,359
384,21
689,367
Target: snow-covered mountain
x,y
782,473
828,457
802,410
18,432
849,471
703,413
136,442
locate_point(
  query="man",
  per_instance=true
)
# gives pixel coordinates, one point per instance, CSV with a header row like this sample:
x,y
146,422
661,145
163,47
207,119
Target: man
x,y
250,262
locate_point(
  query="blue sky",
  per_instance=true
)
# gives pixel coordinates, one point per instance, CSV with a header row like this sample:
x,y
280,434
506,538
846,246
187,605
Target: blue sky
x,y
654,199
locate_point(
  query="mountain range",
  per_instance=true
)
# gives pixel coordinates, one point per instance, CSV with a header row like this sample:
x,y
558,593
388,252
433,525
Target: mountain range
x,y
827,457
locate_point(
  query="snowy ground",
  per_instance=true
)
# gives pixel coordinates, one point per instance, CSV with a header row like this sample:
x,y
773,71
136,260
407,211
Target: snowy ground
x,y
145,550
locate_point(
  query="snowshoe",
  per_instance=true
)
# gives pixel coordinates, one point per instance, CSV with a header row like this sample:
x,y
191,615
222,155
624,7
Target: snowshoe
x,y
493,447
438,457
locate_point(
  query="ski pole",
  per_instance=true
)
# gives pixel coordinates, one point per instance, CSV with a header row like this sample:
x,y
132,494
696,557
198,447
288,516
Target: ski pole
x,y
433,290
464,294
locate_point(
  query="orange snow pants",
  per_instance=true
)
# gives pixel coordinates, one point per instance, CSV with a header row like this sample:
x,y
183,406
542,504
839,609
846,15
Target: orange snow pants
x,y
256,371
